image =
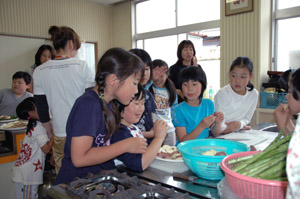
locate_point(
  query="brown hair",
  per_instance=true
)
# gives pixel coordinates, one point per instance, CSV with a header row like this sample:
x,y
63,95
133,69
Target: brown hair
x,y
61,35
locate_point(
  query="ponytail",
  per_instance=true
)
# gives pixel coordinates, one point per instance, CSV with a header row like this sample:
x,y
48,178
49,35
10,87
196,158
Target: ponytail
x,y
111,115
250,86
22,110
123,64
31,124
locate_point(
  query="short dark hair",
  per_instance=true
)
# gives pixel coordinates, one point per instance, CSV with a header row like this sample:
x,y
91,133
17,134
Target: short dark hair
x,y
22,110
40,51
296,84
145,57
193,73
24,75
243,62
181,46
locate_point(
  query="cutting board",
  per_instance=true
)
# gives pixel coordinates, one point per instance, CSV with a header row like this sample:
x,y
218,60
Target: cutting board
x,y
249,137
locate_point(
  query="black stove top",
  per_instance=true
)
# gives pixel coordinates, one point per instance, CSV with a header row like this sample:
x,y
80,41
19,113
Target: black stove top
x,y
113,185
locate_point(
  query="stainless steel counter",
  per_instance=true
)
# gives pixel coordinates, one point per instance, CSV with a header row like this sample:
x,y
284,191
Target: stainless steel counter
x,y
166,179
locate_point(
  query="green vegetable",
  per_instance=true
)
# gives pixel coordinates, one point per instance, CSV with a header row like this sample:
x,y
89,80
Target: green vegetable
x,y
257,164
274,172
269,164
265,166
269,149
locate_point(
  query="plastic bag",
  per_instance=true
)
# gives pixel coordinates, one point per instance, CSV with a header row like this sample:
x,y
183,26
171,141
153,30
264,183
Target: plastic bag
x,y
225,191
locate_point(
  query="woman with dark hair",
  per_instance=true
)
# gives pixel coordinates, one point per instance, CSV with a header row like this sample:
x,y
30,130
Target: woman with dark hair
x,y
44,53
186,54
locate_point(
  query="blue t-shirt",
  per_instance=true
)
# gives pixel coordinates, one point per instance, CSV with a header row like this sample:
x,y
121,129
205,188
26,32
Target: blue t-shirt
x,y
131,160
85,119
190,116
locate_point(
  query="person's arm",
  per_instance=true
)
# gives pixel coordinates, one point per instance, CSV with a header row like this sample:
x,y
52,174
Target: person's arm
x,y
148,134
216,127
48,146
42,108
83,154
43,111
282,118
205,123
160,129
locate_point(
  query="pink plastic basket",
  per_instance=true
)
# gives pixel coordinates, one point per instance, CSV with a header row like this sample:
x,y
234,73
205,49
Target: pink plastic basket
x,y
248,187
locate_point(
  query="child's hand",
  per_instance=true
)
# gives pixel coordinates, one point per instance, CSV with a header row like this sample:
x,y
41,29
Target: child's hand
x,y
160,129
219,116
137,145
247,127
207,121
281,116
158,72
232,126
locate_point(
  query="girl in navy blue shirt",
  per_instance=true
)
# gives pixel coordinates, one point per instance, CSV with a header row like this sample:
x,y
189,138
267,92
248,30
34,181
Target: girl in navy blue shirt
x,y
131,114
95,117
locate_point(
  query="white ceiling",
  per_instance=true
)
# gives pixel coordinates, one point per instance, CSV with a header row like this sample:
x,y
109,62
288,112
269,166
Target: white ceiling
x,y
107,2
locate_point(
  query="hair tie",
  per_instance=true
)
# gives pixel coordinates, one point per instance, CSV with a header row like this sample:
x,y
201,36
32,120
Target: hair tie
x,y
28,118
101,96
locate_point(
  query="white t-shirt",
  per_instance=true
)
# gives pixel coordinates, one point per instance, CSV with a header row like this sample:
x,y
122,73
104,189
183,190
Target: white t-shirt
x,y
163,110
135,131
234,106
29,166
62,81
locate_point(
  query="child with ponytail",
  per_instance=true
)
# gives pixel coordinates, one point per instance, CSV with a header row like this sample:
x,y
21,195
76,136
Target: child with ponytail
x,y
29,167
95,117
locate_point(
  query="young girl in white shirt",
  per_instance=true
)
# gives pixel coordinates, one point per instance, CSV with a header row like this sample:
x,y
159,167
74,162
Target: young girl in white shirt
x,y
238,99
165,95
29,167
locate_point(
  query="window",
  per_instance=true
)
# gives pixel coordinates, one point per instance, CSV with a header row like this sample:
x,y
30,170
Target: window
x,y
161,25
151,17
286,35
195,11
87,52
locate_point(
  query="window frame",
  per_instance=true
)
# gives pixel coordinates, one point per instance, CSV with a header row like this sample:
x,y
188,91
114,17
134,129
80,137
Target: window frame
x,y
287,13
171,31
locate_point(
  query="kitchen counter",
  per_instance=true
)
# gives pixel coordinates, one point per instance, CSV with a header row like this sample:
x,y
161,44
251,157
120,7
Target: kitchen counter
x,y
153,176
166,179
15,138
268,130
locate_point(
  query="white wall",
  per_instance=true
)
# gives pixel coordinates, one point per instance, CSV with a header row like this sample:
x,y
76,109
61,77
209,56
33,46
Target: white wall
x,y
6,184
16,54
